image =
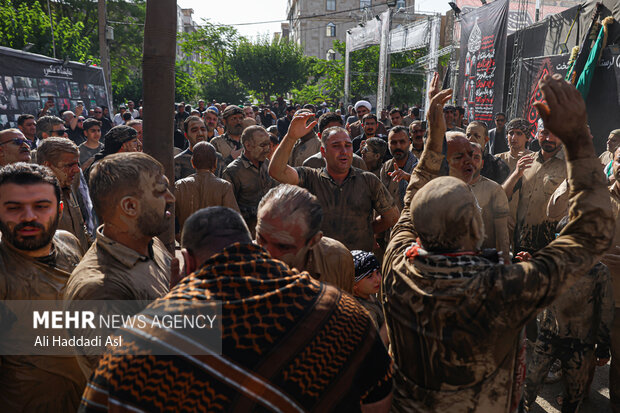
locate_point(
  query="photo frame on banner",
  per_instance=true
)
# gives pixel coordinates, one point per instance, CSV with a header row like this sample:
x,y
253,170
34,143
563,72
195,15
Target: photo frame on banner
x,y
28,80
483,61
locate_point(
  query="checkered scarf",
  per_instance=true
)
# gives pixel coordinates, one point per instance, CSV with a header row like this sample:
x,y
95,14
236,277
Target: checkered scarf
x,y
446,265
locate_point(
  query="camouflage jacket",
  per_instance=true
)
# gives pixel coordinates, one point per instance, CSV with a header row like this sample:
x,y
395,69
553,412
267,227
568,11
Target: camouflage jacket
x,y
454,324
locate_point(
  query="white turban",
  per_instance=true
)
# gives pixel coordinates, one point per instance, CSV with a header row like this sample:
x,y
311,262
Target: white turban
x,y
364,103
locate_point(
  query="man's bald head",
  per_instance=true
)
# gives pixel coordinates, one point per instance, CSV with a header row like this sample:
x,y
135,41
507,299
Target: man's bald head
x,y
204,156
459,156
446,215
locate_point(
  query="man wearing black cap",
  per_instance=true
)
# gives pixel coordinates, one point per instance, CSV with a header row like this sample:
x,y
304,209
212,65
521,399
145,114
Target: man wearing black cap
x,y
119,139
229,144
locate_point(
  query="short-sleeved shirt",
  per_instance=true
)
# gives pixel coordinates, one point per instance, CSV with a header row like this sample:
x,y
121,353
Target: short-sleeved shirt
x,y
86,153
494,203
250,184
533,229
201,190
348,208
317,161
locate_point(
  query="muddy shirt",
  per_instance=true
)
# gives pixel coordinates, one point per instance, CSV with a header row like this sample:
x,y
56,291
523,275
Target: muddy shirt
x,y
373,306
225,145
303,149
348,208
39,383
513,203
615,271
72,220
201,190
454,322
183,165
585,312
329,261
533,228
112,271
249,184
494,203
397,189
317,161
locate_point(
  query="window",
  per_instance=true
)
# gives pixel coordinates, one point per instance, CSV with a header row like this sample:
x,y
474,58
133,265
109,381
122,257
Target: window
x,y
400,4
330,5
331,55
364,4
330,30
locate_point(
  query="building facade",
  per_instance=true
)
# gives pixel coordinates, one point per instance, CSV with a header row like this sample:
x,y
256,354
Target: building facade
x,y
315,24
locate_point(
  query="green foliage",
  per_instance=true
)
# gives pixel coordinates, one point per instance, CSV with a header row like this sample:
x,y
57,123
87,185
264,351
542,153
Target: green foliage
x,y
76,35
270,67
213,46
24,23
364,64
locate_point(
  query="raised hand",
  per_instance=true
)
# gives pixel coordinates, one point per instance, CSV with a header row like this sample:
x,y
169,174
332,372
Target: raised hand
x,y
565,115
434,89
398,174
524,163
298,126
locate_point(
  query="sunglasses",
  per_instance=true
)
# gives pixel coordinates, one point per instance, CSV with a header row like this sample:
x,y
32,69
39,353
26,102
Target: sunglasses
x,y
17,142
58,132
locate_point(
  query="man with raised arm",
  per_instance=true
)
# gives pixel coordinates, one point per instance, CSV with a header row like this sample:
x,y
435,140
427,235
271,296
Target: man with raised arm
x,y
454,318
349,196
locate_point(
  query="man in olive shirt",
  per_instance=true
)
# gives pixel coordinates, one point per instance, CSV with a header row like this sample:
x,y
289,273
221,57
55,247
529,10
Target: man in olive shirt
x,y
289,227
61,155
229,144
36,261
454,318
533,181
349,196
126,262
249,174
195,131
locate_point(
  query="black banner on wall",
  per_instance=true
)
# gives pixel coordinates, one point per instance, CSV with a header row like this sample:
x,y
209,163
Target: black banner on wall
x,y
483,60
28,81
603,102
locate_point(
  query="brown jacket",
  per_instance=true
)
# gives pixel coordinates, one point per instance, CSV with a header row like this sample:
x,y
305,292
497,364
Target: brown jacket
x,y
201,190
454,322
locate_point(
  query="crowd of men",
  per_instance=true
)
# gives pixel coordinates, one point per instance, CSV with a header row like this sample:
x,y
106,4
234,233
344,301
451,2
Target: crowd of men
x,y
364,263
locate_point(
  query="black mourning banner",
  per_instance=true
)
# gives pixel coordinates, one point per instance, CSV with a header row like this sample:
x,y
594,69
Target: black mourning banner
x,y
483,60
603,102
28,81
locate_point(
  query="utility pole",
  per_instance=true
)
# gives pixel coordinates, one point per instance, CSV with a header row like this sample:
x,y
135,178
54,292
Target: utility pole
x,y
103,49
160,34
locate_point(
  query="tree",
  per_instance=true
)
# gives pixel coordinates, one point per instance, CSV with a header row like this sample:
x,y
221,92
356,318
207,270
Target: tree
x,y
270,68
213,46
24,23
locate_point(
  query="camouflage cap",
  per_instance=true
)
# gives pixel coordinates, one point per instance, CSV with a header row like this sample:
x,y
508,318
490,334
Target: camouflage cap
x,y
518,123
117,136
232,110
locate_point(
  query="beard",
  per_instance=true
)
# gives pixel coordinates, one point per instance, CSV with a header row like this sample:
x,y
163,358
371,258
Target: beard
x,y
151,223
30,243
236,130
399,154
549,147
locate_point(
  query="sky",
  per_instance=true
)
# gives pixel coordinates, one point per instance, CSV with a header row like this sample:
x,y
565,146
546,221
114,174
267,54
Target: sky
x,y
252,11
